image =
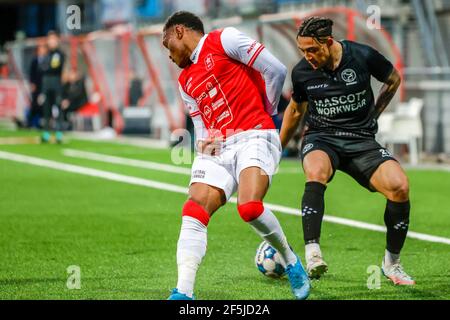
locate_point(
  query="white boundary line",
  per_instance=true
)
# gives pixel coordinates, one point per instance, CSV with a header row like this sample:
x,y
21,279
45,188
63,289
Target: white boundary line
x,y
122,140
173,188
125,161
91,172
145,164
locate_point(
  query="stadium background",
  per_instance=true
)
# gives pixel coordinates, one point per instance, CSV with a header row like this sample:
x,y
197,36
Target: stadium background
x,y
121,230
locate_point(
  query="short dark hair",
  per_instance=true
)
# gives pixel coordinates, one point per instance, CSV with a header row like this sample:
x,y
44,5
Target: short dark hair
x,y
186,19
316,27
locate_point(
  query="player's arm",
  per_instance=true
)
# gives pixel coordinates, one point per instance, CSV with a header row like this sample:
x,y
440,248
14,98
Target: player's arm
x,y
250,52
383,70
387,92
293,115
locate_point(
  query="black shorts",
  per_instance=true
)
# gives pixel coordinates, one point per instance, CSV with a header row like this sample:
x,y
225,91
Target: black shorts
x,y
357,156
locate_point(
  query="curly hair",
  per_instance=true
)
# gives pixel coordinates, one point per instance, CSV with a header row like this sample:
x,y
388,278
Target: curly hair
x,y
317,27
186,19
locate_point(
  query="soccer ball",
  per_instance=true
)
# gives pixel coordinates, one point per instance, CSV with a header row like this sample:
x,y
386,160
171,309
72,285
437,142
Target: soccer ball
x,y
268,261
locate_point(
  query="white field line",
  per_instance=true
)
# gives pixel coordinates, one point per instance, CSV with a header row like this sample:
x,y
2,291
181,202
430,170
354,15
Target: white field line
x,y
173,188
129,141
91,172
145,164
126,161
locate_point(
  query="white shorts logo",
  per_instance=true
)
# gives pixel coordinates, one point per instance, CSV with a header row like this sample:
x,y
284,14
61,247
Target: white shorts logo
x,y
199,174
308,147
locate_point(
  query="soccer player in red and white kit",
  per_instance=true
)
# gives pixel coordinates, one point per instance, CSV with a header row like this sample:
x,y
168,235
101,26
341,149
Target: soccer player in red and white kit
x,y
231,85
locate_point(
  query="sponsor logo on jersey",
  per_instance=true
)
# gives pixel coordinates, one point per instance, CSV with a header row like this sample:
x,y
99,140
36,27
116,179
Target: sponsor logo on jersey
x,y
207,112
212,103
217,104
341,104
308,147
349,76
209,62
222,116
202,96
212,93
319,86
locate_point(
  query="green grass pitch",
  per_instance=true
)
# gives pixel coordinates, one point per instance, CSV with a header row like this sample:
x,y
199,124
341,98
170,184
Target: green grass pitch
x,y
123,237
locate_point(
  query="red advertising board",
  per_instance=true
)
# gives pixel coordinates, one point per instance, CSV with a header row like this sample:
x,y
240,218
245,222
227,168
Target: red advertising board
x,y
9,96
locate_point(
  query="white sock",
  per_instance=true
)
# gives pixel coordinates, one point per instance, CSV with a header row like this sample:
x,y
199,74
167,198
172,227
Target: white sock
x,y
191,249
269,228
310,249
391,258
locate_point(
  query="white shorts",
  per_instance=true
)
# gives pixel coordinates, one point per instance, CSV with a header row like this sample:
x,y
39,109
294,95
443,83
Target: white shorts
x,y
252,148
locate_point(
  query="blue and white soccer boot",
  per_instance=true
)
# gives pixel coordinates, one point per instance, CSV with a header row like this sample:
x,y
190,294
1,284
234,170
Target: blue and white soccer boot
x,y
175,295
299,280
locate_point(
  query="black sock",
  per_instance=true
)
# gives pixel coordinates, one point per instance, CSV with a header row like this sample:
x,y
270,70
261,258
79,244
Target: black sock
x,y
312,211
396,218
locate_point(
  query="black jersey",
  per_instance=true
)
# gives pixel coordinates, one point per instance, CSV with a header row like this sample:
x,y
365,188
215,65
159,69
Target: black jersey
x,y
342,101
54,63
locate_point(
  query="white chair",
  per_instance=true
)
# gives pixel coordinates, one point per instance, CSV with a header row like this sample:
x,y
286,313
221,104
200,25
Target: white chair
x,y
404,126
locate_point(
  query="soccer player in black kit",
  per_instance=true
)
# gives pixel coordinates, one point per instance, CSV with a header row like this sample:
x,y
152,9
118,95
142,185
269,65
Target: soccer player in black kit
x,y
332,90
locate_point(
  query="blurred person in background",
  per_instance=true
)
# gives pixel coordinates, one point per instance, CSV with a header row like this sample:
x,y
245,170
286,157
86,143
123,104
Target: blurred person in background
x,y
74,95
135,90
52,87
35,75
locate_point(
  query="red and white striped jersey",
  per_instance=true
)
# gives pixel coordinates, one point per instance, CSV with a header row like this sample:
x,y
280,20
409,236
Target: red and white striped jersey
x,y
233,84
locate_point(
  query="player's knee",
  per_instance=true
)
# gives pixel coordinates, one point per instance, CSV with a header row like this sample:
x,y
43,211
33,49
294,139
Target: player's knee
x,y
194,210
317,174
251,210
400,190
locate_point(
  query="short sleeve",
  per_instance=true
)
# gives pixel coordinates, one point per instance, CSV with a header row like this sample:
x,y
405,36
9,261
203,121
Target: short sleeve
x,y
379,67
298,90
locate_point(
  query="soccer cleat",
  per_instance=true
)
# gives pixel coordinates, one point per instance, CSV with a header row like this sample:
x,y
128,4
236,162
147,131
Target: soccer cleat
x,y
316,266
59,136
397,275
45,137
299,280
175,295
